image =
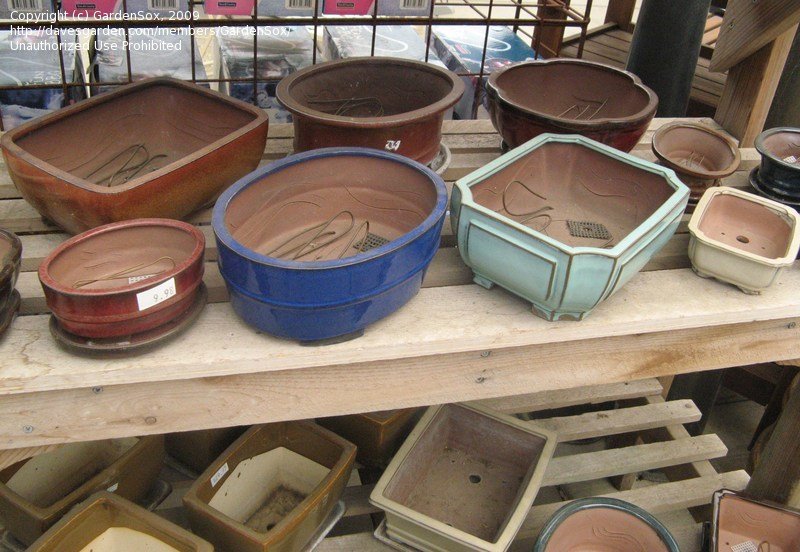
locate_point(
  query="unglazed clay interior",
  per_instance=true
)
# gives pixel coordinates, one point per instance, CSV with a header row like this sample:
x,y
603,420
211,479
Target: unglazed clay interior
x,y
330,208
604,530
467,471
574,194
45,479
696,149
785,146
134,133
117,539
572,91
741,521
122,257
264,489
371,88
747,226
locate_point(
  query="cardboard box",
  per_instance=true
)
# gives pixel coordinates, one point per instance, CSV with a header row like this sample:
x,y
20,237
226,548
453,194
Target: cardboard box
x,y
400,41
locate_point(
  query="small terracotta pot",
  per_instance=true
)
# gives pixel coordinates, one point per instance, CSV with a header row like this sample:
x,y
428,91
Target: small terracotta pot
x,y
607,524
124,278
107,523
391,104
699,155
778,176
570,96
157,148
37,492
10,255
738,520
197,449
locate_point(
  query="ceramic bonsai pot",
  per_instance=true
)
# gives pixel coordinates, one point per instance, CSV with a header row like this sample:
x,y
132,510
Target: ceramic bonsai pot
x,y
740,523
569,96
375,102
606,524
376,434
10,255
742,239
36,493
157,148
271,489
197,449
699,155
464,480
321,244
107,523
778,176
124,278
564,221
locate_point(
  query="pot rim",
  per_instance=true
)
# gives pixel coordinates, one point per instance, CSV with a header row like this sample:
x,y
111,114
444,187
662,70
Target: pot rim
x,y
12,259
221,207
196,254
727,171
702,206
640,116
722,493
8,141
285,97
606,503
762,149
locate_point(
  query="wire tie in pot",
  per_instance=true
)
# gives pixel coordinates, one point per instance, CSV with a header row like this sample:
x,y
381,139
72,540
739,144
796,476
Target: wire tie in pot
x,y
124,168
127,273
346,105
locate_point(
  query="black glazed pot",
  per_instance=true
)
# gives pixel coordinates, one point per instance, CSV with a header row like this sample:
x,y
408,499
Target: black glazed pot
x,y
778,176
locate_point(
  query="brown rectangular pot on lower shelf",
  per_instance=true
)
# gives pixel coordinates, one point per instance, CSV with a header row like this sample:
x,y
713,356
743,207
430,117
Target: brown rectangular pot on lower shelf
x,y
271,489
107,523
37,492
376,434
197,449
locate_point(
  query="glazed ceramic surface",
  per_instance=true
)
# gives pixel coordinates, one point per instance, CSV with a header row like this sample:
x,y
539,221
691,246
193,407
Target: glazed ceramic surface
x,y
107,523
778,176
606,524
742,239
157,148
564,221
464,480
271,489
124,278
36,493
197,449
570,96
324,243
740,523
699,155
391,104
10,255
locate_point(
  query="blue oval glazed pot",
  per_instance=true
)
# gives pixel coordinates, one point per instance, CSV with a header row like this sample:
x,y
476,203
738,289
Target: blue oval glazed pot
x,y
778,176
604,524
270,224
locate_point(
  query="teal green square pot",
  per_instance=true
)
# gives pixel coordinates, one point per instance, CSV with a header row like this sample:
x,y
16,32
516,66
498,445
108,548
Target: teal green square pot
x,y
630,207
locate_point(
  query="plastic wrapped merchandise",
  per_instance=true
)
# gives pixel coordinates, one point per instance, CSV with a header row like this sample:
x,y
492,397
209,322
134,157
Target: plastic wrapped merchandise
x,y
400,41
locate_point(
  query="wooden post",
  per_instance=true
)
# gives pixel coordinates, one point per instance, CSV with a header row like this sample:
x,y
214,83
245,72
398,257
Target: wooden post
x,y
785,110
621,13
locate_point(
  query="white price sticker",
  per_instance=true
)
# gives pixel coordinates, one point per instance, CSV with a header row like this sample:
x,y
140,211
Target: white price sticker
x,y
113,488
156,295
219,475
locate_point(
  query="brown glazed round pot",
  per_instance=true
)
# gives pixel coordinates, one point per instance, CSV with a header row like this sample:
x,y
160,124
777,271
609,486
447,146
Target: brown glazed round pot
x,y
570,96
699,155
104,283
10,255
390,104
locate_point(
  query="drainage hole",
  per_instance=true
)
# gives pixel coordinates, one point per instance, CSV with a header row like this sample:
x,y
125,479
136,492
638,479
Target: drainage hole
x,y
742,239
474,478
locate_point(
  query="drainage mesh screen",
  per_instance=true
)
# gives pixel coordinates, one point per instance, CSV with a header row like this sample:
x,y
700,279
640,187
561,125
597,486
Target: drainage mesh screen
x,y
371,241
584,229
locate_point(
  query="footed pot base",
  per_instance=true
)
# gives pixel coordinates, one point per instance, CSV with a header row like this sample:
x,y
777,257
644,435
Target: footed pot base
x,y
483,281
332,340
556,315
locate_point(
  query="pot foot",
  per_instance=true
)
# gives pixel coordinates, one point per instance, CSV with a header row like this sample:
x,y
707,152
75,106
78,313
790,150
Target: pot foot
x,y
702,274
333,340
555,316
750,291
482,281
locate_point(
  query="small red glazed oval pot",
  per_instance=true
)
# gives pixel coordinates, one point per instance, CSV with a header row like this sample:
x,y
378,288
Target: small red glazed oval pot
x,y
570,96
124,278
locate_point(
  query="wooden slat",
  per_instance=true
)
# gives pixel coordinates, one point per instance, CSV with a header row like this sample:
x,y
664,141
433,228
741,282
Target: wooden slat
x,y
12,456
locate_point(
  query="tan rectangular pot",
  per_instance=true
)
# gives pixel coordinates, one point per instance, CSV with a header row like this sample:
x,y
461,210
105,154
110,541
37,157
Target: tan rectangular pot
x,y
197,449
37,492
107,523
271,489
464,480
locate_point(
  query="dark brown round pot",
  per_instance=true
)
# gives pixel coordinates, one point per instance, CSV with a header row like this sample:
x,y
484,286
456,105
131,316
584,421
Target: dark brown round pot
x,y
699,155
10,255
124,278
391,104
570,96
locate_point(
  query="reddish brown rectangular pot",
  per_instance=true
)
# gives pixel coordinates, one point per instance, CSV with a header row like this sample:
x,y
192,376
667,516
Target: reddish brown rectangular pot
x,y
37,492
177,144
197,449
271,489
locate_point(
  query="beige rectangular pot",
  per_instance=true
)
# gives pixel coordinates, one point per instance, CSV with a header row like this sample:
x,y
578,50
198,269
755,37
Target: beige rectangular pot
x,y
742,239
37,492
107,523
464,480
271,489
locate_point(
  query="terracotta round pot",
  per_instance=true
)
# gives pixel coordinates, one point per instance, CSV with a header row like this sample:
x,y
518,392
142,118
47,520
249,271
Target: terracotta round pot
x,y
124,278
10,254
606,524
699,155
321,244
391,104
570,96
778,176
